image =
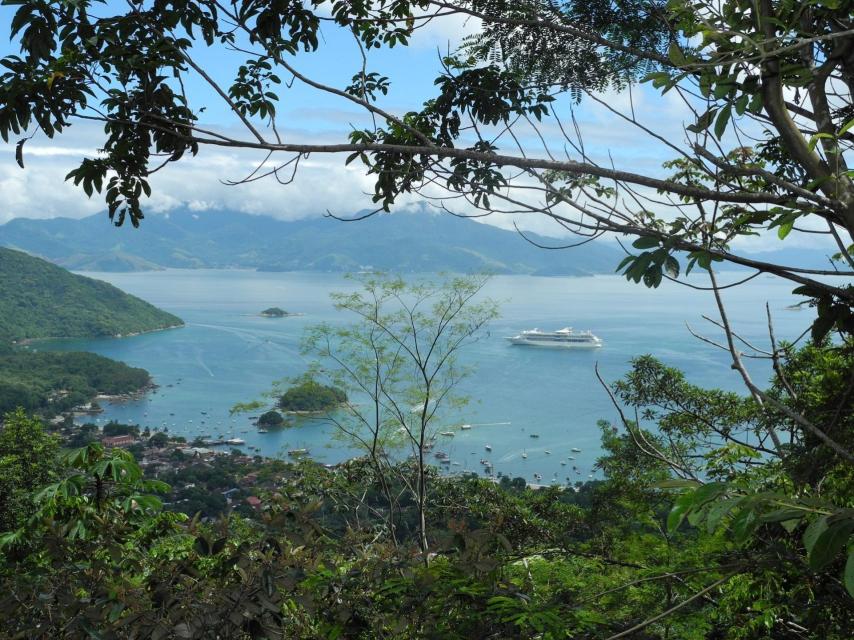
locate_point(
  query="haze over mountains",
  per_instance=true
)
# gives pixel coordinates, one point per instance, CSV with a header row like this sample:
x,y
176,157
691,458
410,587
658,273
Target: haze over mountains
x,y
402,242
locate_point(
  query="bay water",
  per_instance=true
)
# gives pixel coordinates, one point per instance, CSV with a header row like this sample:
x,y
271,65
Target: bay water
x,y
227,353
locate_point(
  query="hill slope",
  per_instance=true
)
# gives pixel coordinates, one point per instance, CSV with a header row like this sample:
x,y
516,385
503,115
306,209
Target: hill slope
x,y
41,300
402,242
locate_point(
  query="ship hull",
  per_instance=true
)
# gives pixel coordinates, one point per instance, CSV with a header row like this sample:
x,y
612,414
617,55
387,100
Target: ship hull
x,y
555,345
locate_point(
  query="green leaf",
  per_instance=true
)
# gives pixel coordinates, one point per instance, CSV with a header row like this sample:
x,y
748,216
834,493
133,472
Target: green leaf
x,y
785,229
646,242
782,515
709,492
674,52
19,152
671,266
676,483
830,542
679,511
722,121
849,569
744,524
813,531
717,512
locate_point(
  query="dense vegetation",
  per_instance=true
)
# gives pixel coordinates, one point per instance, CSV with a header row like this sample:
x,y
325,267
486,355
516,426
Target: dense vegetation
x,y
270,419
310,395
41,300
52,382
733,544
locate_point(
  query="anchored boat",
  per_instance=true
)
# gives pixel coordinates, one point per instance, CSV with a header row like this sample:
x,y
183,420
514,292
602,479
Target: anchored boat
x,y
565,338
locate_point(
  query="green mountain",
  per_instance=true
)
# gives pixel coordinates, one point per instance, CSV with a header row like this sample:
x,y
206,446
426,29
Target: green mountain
x,y
402,242
40,300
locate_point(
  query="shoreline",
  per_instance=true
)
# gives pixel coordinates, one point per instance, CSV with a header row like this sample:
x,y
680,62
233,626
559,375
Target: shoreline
x,y
25,342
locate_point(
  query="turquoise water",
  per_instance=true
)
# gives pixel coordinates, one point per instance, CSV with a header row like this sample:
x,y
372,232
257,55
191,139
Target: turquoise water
x,y
228,354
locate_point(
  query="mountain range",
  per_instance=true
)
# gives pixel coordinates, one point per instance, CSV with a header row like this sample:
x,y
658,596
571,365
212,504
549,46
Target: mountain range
x,y
402,242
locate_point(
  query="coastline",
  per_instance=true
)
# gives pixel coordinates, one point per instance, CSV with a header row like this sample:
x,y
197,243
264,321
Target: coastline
x,y
25,342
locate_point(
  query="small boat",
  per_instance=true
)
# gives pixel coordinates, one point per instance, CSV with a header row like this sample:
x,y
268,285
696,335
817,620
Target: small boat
x,y
263,431
488,447
235,441
465,427
547,452
449,434
445,461
535,435
524,455
537,476
575,450
571,458
563,463
441,455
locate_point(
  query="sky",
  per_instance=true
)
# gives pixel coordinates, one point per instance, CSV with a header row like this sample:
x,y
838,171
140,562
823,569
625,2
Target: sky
x,y
324,183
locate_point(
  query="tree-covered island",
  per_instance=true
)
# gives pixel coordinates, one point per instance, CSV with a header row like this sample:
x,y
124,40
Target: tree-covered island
x,y
309,396
275,312
270,420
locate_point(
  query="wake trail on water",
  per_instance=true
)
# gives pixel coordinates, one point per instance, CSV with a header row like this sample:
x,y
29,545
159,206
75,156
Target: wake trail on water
x,y
252,339
202,364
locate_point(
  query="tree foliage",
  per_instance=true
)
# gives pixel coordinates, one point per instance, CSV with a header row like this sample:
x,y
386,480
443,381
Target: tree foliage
x,y
766,88
750,550
311,396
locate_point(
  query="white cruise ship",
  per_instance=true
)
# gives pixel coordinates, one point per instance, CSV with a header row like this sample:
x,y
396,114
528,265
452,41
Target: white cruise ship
x,y
561,339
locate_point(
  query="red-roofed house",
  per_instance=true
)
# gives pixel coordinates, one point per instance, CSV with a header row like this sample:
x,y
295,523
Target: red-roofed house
x,y
118,441
254,502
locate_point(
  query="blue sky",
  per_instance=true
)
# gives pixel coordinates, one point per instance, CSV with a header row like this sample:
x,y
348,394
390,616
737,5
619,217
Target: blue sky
x,y
307,115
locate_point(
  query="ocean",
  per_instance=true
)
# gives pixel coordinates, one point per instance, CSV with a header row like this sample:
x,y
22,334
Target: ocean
x,y
227,353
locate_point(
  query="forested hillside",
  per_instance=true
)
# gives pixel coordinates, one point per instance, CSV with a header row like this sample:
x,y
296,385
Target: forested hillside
x,y
41,300
52,382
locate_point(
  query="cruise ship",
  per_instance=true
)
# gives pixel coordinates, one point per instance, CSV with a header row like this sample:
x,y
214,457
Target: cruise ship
x,y
562,339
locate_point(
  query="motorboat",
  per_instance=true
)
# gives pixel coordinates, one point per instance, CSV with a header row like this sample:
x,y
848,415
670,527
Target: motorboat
x,y
565,338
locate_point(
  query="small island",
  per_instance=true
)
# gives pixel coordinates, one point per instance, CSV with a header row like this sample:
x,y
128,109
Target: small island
x,y
270,420
274,312
311,397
